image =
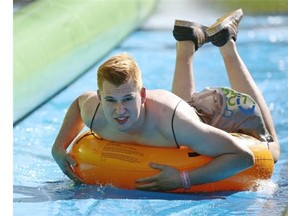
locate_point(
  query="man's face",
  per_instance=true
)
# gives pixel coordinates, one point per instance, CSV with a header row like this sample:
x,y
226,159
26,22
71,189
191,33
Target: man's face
x,y
122,104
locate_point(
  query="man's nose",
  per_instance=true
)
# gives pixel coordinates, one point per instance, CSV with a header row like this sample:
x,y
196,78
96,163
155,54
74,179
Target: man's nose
x,y
120,108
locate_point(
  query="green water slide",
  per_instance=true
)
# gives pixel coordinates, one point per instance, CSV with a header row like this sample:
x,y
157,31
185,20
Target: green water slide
x,y
57,40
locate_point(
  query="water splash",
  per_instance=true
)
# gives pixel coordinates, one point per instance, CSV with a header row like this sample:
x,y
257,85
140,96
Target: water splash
x,y
266,187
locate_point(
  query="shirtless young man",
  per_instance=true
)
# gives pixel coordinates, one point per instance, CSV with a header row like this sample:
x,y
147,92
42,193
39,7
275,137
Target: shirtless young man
x,y
123,110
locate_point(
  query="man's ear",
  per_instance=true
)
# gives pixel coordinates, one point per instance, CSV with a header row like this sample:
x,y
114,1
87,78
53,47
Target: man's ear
x,y
143,94
99,94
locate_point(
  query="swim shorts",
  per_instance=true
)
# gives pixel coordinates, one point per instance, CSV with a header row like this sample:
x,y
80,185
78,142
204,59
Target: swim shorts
x,y
231,111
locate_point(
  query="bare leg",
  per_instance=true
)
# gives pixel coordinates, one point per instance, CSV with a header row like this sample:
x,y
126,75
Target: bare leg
x,y
189,36
183,81
242,81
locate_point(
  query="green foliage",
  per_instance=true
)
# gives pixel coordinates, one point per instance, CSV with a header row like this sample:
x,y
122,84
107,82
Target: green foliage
x,y
253,6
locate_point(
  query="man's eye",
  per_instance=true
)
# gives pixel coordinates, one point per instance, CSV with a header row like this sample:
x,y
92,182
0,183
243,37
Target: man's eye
x,y
110,100
127,99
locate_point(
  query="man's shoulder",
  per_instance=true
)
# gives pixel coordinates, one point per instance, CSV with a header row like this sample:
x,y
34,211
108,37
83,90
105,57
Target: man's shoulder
x,y
161,100
164,102
87,102
88,98
160,94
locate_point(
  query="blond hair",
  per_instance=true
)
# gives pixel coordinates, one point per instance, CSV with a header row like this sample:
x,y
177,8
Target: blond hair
x,y
118,70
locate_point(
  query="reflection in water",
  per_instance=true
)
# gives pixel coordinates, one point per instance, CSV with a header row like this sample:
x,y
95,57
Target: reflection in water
x,y
60,190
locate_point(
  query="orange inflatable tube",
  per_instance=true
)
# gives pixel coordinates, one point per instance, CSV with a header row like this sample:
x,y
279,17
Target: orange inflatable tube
x,y
104,162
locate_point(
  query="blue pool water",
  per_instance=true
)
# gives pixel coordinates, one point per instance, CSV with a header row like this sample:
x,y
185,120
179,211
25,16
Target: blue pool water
x,y
40,188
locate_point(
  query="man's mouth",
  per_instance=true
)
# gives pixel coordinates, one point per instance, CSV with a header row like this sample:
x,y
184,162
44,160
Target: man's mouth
x,y
121,120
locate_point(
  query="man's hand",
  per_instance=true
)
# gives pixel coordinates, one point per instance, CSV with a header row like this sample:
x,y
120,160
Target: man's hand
x,y
69,170
166,180
66,164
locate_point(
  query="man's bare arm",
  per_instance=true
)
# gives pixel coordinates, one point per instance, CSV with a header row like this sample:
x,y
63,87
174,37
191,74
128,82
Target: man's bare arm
x,y
230,157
